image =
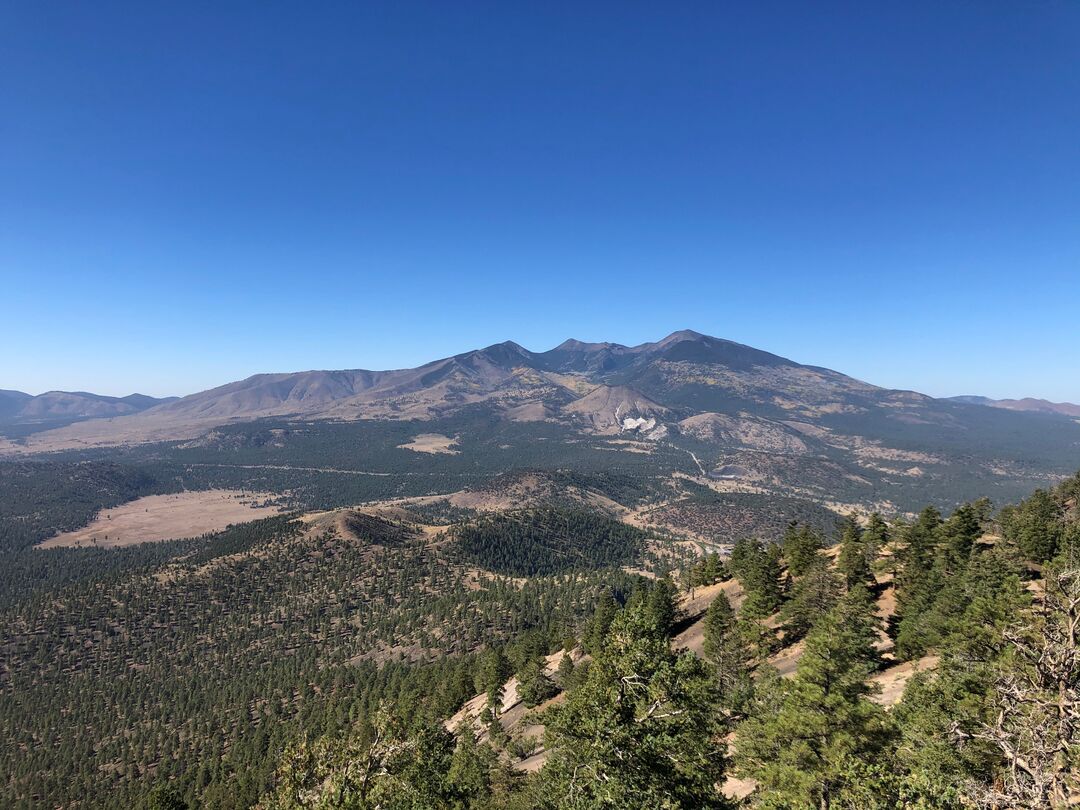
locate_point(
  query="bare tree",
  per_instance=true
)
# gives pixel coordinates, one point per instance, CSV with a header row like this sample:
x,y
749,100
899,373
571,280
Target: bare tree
x,y
1037,720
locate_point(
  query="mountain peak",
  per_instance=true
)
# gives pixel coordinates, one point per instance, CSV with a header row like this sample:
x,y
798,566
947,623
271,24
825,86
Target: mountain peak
x,y
684,335
575,345
506,354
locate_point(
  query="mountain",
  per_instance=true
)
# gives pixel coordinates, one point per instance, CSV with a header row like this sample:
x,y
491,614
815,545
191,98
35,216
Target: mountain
x,y
688,403
51,407
11,402
686,369
1025,404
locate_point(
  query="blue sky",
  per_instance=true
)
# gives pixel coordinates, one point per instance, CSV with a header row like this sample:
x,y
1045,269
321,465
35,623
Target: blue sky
x,y
192,193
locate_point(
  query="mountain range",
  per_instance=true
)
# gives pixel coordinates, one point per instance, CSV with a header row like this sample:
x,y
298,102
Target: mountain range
x,y
741,414
598,386
19,407
1025,404
604,387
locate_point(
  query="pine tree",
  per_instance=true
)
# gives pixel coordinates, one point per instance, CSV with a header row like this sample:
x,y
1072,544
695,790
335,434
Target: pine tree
x,y
814,595
801,545
917,583
801,741
759,573
853,562
565,671
1035,526
534,685
640,731
943,708
604,614
494,669
875,536
164,797
727,650
471,767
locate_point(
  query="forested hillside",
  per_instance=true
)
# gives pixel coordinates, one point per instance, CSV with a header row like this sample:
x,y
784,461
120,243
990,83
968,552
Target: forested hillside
x,y
433,656
978,612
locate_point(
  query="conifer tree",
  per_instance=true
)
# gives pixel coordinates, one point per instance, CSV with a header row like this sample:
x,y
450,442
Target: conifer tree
x,y
813,596
1036,697
943,707
801,545
917,584
727,649
1035,526
800,743
596,634
640,731
534,685
853,561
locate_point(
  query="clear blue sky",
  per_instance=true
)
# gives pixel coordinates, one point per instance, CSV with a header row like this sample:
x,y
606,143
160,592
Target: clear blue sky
x,y
194,192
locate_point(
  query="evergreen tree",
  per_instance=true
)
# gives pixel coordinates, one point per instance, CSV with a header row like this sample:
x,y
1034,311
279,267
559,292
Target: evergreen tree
x,y
165,797
814,595
917,583
726,648
1035,526
640,731
943,708
801,545
534,685
758,570
707,571
472,767
389,768
565,671
801,741
596,634
494,669
875,536
1035,724
854,561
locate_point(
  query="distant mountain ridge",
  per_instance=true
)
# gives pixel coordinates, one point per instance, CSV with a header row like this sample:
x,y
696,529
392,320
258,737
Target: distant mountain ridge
x,y
686,387
505,373
1025,404
18,406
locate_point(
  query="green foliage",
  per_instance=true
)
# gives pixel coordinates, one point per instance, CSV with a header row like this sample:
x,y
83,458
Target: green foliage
x,y
237,642
600,624
917,583
813,596
854,560
164,797
640,731
757,567
801,545
492,673
942,711
547,541
195,664
1036,525
803,734
726,647
876,535
390,768
534,685
565,671
1034,723
709,570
